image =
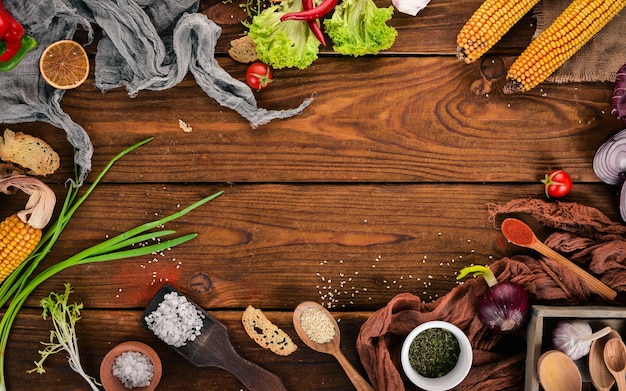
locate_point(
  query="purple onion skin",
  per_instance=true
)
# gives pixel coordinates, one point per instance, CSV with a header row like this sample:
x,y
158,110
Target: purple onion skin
x,y
618,102
504,308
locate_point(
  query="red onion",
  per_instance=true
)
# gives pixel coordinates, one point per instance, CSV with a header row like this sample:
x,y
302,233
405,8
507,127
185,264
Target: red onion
x,y
504,308
609,165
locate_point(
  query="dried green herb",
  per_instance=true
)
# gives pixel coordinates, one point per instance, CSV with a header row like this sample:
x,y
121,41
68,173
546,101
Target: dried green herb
x,y
434,352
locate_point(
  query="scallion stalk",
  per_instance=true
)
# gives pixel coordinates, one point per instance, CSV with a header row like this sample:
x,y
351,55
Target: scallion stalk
x,y
19,285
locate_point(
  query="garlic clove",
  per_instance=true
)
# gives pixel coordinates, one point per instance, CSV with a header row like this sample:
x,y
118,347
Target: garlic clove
x,y
410,7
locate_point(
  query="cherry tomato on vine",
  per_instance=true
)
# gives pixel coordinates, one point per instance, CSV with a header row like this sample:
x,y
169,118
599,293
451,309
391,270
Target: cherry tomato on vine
x,y
557,183
259,76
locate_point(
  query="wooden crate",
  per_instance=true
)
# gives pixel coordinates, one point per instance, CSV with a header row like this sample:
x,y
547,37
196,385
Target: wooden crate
x,y
542,322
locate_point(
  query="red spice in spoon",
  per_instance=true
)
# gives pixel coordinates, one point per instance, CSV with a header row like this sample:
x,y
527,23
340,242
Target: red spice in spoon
x,y
517,232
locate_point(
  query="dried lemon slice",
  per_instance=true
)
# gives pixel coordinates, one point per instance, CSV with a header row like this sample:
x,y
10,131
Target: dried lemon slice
x,y
64,64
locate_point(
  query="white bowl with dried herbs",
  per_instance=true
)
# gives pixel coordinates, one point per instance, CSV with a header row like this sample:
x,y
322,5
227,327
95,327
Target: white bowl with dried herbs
x,y
436,356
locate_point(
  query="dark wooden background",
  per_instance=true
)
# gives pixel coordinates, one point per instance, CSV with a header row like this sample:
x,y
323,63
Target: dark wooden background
x,y
384,179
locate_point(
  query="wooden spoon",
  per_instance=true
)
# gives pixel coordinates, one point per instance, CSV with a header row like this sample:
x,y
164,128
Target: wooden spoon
x,y
601,378
520,234
557,372
332,347
615,360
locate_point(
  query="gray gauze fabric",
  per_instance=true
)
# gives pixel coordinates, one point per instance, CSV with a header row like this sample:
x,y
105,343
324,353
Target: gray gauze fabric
x,y
24,95
146,45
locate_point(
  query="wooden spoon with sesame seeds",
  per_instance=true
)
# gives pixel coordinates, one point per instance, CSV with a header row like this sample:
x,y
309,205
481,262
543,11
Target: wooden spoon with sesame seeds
x,y
319,330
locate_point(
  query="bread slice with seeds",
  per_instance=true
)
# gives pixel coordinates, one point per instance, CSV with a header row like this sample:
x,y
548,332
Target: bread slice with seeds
x,y
265,333
243,50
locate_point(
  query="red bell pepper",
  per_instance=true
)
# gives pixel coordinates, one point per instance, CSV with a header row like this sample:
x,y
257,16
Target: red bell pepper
x,y
13,43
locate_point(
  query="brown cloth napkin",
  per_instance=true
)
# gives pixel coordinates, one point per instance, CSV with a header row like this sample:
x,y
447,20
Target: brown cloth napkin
x,y
600,58
584,234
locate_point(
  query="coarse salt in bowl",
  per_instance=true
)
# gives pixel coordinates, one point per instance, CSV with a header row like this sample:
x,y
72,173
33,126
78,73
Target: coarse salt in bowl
x,y
452,378
136,367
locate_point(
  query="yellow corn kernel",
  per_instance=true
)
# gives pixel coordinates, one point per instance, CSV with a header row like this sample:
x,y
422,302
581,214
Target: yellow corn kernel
x,y
487,26
570,31
17,241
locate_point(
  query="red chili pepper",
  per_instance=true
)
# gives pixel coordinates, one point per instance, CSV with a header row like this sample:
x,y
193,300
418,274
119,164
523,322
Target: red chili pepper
x,y
325,7
313,23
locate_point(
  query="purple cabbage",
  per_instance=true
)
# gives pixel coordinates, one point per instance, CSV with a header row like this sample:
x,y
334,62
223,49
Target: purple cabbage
x,y
618,102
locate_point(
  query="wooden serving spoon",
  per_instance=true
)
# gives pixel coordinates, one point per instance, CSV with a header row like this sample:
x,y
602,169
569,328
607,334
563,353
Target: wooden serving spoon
x,y
615,359
520,234
332,347
601,378
557,372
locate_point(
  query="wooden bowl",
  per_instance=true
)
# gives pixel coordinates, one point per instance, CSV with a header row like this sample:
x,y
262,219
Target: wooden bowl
x,y
110,382
557,371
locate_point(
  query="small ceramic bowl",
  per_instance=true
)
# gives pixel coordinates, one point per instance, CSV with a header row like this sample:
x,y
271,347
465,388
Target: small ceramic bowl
x,y
110,382
455,376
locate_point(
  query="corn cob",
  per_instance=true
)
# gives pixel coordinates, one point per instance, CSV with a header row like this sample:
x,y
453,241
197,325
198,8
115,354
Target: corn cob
x,y
20,233
571,30
17,241
487,26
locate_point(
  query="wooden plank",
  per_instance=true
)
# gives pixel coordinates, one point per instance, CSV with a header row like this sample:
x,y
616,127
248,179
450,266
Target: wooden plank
x,y
351,246
415,128
98,331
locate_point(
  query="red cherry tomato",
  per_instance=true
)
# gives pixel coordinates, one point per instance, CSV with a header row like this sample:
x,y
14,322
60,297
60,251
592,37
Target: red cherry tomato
x,y
259,75
557,183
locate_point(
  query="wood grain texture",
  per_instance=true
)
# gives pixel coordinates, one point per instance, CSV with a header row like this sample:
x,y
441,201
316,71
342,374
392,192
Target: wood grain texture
x,y
272,246
409,124
379,187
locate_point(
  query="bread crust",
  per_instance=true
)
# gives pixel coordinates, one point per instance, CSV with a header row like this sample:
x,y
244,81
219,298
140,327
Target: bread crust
x,y
31,153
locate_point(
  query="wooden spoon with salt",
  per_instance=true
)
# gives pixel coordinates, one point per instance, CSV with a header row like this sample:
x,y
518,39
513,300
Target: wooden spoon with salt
x,y
331,347
520,234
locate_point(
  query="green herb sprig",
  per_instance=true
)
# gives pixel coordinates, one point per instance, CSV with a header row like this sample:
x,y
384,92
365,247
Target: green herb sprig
x,y
63,338
19,285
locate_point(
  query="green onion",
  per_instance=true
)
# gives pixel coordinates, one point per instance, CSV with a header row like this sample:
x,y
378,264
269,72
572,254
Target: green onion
x,y
19,285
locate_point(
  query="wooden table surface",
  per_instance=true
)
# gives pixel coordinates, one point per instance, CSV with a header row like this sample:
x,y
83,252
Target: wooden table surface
x,y
379,187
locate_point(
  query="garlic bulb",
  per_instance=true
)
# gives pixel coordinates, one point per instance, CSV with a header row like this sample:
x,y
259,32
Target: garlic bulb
x,y
574,337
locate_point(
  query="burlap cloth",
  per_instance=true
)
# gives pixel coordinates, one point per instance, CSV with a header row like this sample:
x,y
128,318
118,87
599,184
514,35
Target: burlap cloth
x,y
584,234
599,60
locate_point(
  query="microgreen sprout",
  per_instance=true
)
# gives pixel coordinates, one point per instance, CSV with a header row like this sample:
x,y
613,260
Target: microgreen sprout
x,y
252,8
63,337
16,288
